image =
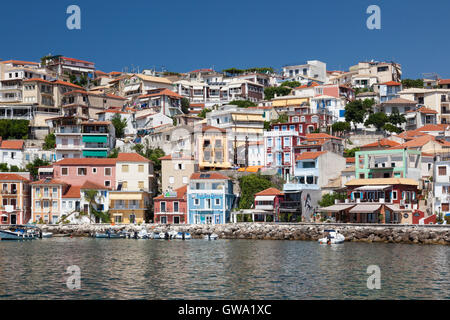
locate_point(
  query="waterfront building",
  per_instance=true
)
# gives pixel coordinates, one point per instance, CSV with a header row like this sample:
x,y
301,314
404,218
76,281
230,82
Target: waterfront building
x,y
171,207
210,198
267,203
176,169
441,188
12,152
46,200
15,198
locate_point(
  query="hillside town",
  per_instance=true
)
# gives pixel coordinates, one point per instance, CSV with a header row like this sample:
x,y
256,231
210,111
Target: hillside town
x,y
299,144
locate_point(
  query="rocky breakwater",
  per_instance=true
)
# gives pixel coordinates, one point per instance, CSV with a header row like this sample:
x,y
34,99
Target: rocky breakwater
x,y
273,231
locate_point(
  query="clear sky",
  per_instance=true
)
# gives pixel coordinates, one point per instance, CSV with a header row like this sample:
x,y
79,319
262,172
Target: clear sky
x,y
186,35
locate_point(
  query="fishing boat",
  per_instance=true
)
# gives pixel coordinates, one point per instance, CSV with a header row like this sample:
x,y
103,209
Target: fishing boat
x,y
183,236
332,236
212,236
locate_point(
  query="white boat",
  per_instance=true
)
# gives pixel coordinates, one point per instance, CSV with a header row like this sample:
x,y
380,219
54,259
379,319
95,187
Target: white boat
x,y
154,235
332,237
162,235
211,237
47,234
143,234
183,236
17,234
172,234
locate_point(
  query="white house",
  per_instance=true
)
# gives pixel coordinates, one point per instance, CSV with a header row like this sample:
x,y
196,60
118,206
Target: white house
x,y
12,152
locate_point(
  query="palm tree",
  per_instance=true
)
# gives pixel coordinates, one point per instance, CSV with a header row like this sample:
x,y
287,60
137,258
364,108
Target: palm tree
x,y
91,196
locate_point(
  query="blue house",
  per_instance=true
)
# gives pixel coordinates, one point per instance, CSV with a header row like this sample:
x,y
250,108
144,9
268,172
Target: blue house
x,y
210,198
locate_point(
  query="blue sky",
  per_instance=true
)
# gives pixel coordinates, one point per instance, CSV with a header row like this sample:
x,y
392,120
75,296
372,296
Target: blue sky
x,y
187,35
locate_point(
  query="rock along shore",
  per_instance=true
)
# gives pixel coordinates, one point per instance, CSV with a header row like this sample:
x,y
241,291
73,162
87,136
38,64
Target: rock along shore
x,y
423,234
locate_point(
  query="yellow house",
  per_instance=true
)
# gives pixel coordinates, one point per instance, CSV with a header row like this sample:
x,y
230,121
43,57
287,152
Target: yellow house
x,y
211,148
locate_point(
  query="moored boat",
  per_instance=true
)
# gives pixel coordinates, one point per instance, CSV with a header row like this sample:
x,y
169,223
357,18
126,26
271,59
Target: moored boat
x,y
332,237
17,234
212,236
183,236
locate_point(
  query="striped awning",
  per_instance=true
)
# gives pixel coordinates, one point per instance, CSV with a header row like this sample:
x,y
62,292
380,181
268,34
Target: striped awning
x,y
336,207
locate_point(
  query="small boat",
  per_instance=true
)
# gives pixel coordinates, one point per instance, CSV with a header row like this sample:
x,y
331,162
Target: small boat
x,y
143,234
162,235
332,237
47,234
183,236
109,234
173,234
212,236
17,234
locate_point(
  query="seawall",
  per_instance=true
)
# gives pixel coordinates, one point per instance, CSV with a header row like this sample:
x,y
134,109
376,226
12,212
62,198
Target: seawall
x,y
419,234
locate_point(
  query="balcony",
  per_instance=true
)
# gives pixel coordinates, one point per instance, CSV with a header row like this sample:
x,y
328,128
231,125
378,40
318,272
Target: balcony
x,y
291,205
11,87
445,110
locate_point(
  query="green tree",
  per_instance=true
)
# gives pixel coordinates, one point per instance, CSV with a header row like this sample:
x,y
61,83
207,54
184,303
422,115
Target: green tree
x,y
153,155
14,169
250,185
341,126
119,125
391,128
269,93
203,113
355,112
282,118
378,120
411,83
114,153
397,118
291,84
328,199
91,196
185,104
49,142
14,129
33,167
4,167
139,148
350,153
243,103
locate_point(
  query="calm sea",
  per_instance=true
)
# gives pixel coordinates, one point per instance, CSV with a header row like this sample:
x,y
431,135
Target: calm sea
x,y
222,269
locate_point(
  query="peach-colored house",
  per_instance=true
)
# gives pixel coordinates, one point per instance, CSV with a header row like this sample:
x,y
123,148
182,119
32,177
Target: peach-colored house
x,y
14,199
46,198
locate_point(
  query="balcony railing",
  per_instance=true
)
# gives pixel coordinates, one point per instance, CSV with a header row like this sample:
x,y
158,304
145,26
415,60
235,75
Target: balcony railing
x,y
290,204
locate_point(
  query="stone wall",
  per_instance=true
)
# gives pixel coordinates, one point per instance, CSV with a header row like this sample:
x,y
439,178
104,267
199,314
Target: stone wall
x,y
426,234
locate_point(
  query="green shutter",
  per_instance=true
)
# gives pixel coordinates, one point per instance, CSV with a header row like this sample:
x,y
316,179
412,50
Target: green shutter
x,y
100,139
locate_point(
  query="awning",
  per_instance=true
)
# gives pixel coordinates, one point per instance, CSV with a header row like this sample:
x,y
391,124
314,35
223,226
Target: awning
x,y
264,198
131,88
369,188
95,153
4,216
365,208
395,208
99,139
336,207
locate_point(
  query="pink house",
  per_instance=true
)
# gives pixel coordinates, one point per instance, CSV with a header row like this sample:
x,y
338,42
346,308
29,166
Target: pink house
x,y
77,171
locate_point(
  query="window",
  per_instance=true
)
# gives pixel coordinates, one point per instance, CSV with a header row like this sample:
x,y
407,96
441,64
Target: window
x,y
125,185
55,192
64,171
82,171
217,202
163,206
171,180
94,170
287,142
394,195
124,168
107,183
176,206
141,168
196,202
107,171
442,170
185,180
37,205
55,205
287,157
64,204
141,184
269,142
118,219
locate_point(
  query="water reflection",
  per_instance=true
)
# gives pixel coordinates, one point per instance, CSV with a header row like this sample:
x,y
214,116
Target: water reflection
x,y
223,269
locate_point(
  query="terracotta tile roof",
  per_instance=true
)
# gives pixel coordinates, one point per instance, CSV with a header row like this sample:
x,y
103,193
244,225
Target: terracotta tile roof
x,y
270,192
112,111
76,91
201,70
381,143
12,144
87,161
48,181
392,83
165,92
212,176
212,129
181,193
12,177
76,60
313,84
427,110
37,80
68,84
399,101
131,157
416,142
73,192
19,62
309,155
444,81
350,160
433,127
92,185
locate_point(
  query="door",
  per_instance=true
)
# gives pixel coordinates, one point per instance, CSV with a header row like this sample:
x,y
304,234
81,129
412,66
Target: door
x,y
132,218
13,219
209,219
164,219
176,220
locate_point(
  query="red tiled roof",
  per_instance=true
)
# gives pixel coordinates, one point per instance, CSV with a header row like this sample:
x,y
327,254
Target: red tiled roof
x,y
313,84
76,60
181,192
212,129
12,177
112,111
201,70
73,192
212,175
48,181
270,192
131,157
19,62
165,92
38,80
68,84
381,143
427,110
415,143
92,185
76,91
399,101
350,160
392,83
12,144
321,136
444,81
433,127
309,155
